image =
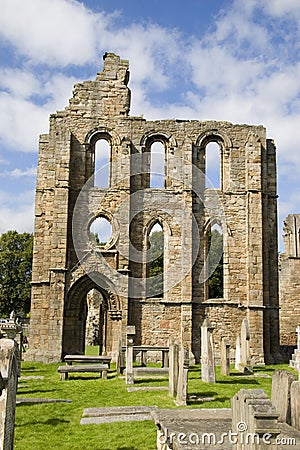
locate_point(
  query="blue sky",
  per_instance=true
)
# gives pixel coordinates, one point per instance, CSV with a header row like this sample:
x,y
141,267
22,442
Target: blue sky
x,y
230,60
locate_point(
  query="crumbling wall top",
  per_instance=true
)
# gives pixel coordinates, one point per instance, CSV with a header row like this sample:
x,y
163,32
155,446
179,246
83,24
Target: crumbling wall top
x,y
114,68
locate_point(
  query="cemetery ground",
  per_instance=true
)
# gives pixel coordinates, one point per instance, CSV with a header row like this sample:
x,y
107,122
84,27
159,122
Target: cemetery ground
x,y
41,426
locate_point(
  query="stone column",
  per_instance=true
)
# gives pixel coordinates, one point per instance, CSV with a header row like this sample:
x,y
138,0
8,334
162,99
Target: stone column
x,y
207,353
225,357
129,354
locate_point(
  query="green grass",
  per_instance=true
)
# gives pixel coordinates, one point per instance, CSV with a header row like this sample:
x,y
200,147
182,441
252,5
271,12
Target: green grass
x,y
56,425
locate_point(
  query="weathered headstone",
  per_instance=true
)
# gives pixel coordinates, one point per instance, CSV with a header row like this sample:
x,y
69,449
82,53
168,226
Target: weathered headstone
x,y
225,357
182,384
295,405
245,365
130,333
295,361
238,353
254,421
120,358
10,329
9,366
281,394
207,353
173,367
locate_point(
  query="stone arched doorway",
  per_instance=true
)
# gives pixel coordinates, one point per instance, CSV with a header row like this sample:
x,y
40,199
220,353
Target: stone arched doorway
x,y
76,311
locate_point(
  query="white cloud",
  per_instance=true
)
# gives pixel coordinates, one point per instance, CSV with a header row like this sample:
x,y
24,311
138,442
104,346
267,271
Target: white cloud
x,y
26,101
151,50
18,82
16,211
282,8
58,32
19,173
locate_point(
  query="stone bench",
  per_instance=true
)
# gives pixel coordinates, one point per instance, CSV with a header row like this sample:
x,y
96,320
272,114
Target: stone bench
x,y
65,370
70,359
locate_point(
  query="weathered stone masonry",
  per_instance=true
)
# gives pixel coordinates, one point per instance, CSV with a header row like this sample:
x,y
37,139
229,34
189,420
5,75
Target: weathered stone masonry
x,y
245,206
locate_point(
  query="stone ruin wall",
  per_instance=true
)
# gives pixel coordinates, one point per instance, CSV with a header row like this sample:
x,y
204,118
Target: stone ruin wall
x,y
289,281
99,109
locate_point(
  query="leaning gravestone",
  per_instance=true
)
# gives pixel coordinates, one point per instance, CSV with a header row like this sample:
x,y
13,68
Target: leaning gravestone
x,y
207,353
281,394
9,366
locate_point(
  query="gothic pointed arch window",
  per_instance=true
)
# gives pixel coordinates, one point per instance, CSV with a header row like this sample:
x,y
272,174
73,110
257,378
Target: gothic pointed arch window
x,y
155,261
214,244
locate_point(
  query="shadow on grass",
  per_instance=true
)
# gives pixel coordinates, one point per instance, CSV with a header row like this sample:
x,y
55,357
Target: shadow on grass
x,y
149,380
21,390
51,422
239,381
127,448
205,397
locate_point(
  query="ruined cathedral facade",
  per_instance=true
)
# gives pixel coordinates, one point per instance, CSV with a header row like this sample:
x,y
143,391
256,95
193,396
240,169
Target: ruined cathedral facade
x,y
69,262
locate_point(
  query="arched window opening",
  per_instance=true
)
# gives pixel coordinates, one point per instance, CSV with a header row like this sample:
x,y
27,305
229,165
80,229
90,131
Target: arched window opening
x,y
215,262
95,332
157,165
155,272
212,166
102,164
100,231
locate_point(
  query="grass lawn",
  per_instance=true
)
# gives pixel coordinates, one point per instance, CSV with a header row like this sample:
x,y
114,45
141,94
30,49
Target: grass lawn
x,y
56,425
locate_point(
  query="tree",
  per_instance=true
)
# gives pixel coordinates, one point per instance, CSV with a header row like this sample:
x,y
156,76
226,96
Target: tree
x,y
215,264
15,272
156,266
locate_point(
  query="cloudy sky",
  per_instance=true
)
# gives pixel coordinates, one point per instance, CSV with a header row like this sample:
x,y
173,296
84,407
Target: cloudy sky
x,y
230,60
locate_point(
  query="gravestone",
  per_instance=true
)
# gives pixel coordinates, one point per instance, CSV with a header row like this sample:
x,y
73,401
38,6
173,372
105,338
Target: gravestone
x,y
207,353
120,358
130,333
295,405
295,361
182,384
245,365
237,353
9,364
281,394
10,330
254,421
225,357
173,367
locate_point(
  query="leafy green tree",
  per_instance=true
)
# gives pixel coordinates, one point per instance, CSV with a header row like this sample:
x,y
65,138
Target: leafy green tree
x,y
156,266
215,262
15,272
